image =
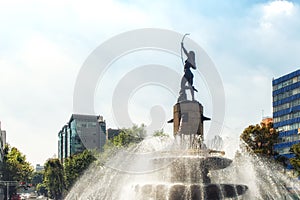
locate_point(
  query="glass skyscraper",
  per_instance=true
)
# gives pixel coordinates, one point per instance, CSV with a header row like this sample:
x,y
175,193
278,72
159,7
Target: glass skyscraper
x,y
80,133
286,112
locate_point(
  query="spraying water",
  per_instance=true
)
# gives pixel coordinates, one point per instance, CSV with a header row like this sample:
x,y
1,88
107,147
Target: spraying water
x,y
134,174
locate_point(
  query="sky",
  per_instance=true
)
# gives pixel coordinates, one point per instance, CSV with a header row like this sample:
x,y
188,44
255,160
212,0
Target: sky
x,y
44,44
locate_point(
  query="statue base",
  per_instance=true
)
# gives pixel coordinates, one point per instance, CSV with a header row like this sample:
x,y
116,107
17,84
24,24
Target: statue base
x,y
187,118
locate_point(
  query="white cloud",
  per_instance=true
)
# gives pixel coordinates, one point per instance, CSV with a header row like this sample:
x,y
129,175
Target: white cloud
x,y
276,14
274,9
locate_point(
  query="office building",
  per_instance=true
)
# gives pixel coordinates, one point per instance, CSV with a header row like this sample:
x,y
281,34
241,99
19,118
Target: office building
x,y
39,168
80,133
2,145
286,112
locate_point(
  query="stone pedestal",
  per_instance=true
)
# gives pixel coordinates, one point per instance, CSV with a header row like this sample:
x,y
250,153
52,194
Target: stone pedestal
x,y
188,118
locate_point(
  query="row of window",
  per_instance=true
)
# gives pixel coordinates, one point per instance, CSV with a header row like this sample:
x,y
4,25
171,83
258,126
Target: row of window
x,y
289,127
286,83
285,150
81,124
287,105
65,141
286,94
286,117
290,138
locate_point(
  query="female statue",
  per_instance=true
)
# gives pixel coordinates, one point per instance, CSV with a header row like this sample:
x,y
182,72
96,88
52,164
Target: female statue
x,y
188,75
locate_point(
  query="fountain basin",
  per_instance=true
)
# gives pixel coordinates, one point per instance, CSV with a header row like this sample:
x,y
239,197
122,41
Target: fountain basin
x,y
179,191
210,162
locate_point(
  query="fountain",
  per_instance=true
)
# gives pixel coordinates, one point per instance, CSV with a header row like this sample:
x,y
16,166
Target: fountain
x,y
164,168
189,167
167,168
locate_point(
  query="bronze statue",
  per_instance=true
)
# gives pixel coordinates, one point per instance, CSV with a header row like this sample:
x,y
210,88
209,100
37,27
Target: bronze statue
x,y
188,75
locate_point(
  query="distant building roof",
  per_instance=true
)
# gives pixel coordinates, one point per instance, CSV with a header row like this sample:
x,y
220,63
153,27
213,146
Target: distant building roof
x,y
111,133
267,120
39,168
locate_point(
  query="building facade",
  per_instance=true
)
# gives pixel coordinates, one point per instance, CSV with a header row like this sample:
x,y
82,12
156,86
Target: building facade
x,y
111,133
286,112
39,168
80,133
2,144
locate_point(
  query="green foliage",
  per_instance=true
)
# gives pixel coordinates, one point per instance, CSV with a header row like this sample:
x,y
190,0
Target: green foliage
x,y
126,138
54,178
296,150
15,166
75,165
109,150
41,188
160,133
295,162
129,136
260,138
37,177
282,160
58,178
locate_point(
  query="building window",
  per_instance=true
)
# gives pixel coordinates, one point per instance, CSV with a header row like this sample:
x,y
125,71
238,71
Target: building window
x,y
285,83
287,117
92,124
288,127
284,150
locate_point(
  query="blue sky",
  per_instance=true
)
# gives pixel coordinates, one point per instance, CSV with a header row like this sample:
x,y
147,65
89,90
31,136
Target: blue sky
x,y
44,44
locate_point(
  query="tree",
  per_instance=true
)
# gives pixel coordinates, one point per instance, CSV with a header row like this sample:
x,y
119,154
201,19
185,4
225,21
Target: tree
x,y
54,178
126,138
281,160
37,177
260,138
295,162
41,188
75,165
159,133
129,136
15,166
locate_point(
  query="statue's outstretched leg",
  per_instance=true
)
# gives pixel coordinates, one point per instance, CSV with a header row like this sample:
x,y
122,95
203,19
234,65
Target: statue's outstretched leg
x,y
192,93
183,82
191,87
195,89
182,95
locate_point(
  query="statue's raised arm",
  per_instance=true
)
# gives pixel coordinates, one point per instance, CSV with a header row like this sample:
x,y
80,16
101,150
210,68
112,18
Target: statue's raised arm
x,y
190,56
184,50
